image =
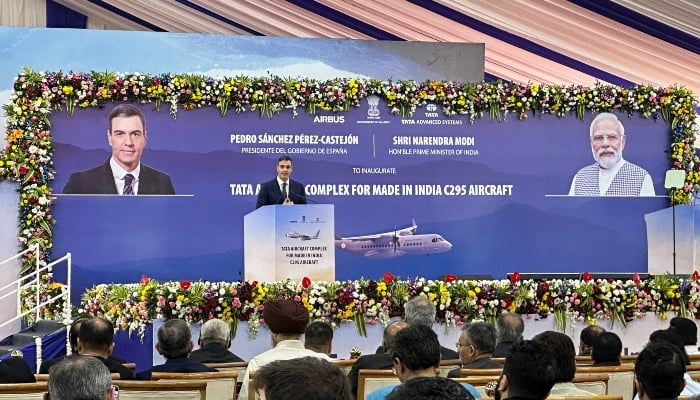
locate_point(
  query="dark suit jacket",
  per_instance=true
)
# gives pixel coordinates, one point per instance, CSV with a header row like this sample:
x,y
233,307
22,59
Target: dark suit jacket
x,y
482,363
113,366
502,349
370,361
100,180
182,364
15,370
270,193
214,353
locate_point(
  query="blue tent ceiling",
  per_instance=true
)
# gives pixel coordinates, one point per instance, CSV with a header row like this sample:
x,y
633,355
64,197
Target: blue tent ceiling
x,y
621,42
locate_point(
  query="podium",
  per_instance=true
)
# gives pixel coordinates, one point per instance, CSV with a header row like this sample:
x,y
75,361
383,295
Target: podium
x,y
660,239
289,242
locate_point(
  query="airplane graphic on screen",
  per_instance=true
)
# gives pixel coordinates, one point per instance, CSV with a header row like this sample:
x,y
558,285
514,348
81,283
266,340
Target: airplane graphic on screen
x,y
301,236
393,244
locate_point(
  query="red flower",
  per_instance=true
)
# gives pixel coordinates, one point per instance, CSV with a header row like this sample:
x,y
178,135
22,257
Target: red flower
x,y
306,282
695,276
388,278
450,278
23,170
185,285
515,277
144,279
635,278
586,276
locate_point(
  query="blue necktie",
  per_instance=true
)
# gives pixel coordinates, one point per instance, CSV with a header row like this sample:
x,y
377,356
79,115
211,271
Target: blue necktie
x,y
128,185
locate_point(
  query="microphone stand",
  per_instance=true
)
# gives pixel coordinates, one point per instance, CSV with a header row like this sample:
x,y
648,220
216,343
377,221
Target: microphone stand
x,y
673,212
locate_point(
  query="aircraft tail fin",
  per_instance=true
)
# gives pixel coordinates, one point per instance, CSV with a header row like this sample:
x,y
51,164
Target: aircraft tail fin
x,y
317,233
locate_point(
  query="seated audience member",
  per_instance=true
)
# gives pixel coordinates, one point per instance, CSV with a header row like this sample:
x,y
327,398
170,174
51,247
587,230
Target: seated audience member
x,y
528,372
606,350
318,337
435,388
15,370
175,345
308,378
80,378
669,336
415,353
564,356
688,331
421,311
586,339
475,346
73,333
659,371
287,320
376,361
214,342
509,330
96,339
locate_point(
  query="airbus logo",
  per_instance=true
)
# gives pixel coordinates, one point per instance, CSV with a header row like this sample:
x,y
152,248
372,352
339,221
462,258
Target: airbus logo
x,y
329,119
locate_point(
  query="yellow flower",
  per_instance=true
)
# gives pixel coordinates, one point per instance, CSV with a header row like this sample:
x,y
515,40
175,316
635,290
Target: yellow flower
x,y
68,90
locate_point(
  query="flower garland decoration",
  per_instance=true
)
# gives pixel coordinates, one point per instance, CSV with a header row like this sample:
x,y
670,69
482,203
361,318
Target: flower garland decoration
x,y
366,301
27,157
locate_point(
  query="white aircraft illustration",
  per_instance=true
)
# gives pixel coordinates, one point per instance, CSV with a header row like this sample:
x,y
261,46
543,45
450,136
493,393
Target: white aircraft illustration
x,y
297,235
394,244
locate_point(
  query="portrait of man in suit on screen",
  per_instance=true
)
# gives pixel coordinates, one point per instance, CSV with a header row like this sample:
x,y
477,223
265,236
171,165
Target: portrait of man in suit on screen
x,y
610,175
123,173
281,190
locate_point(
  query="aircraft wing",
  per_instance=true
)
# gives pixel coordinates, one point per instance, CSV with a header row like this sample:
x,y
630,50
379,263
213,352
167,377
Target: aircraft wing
x,y
381,237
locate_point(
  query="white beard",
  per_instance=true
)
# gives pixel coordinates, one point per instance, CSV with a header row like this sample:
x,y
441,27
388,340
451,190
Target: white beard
x,y
607,162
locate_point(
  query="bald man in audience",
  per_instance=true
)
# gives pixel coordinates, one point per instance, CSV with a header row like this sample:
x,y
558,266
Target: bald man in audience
x,y
376,361
588,334
175,345
214,343
509,331
421,311
287,320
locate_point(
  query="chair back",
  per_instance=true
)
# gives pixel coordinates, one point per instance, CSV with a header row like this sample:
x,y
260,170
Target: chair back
x,y
131,366
620,378
466,372
369,380
448,365
221,385
345,365
23,391
594,383
479,383
195,389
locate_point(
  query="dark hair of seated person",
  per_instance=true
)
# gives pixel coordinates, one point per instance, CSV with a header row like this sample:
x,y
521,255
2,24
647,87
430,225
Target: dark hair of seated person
x,y
430,388
659,370
308,378
671,337
607,348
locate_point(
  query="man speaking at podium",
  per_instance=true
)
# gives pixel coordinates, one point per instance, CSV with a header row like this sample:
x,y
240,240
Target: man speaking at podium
x,y
281,190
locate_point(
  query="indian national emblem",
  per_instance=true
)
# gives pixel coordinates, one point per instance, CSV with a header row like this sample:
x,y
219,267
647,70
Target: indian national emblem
x,y
373,102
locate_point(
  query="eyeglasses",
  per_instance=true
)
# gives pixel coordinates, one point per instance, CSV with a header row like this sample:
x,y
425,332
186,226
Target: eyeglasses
x,y
601,138
460,345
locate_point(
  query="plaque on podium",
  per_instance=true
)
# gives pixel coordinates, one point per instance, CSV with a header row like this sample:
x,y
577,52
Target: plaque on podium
x,y
289,242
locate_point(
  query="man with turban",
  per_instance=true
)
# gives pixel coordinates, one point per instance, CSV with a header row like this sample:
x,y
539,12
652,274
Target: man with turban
x,y
287,320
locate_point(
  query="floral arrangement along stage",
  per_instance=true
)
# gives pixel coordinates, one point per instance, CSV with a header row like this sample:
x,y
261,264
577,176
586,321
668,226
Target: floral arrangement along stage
x,y
27,157
367,301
